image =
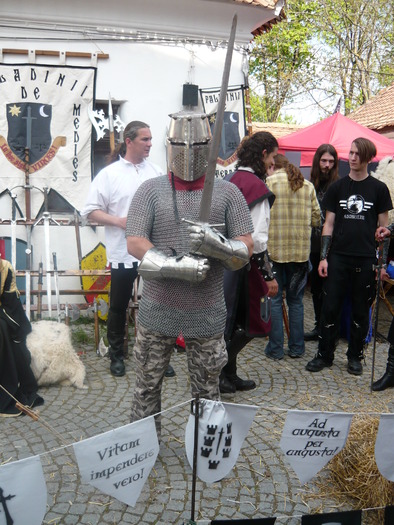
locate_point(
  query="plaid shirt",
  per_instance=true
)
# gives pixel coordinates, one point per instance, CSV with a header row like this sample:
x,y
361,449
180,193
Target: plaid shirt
x,y
292,217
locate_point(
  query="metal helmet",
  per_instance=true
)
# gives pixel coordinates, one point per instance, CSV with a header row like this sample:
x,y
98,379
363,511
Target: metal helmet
x,y
188,141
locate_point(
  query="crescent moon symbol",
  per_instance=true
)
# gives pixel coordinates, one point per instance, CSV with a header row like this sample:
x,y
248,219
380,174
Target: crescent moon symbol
x,y
42,112
232,118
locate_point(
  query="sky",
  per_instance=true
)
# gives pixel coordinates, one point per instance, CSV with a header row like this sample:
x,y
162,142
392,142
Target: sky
x,y
306,112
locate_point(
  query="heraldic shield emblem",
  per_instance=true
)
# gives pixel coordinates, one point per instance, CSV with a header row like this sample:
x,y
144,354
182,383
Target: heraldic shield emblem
x,y
230,138
222,428
29,126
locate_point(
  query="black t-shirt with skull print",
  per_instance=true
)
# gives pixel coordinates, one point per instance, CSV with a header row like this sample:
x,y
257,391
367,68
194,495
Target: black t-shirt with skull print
x,y
357,205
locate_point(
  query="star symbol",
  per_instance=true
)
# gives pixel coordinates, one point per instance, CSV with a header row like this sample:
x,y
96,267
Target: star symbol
x,y
15,110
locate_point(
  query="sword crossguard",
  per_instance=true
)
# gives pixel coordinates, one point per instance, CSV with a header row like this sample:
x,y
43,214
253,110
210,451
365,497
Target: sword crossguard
x,y
198,223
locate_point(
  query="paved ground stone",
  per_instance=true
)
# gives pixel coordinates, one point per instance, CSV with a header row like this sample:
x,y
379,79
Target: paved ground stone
x,y
261,484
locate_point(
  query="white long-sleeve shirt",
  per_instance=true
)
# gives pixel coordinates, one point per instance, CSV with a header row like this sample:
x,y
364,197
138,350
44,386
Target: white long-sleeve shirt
x,y
112,191
261,221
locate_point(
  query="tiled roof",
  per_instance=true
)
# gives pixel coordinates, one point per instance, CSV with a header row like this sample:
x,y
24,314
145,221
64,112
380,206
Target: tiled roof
x,y
268,4
378,112
259,3
276,128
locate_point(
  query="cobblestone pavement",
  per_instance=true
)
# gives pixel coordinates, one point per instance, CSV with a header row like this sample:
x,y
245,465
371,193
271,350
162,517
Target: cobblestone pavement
x,y
260,485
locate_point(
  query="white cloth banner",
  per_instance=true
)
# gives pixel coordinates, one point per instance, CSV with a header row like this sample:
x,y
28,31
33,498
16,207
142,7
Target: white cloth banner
x,y
384,451
222,428
44,112
233,129
310,439
119,462
23,492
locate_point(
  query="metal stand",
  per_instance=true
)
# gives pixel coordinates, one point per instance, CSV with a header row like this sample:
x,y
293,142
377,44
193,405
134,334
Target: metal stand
x,y
377,268
196,405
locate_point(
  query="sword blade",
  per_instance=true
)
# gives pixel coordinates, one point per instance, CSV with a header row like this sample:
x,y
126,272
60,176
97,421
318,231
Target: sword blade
x,y
48,263
27,277
13,232
56,276
111,125
39,297
206,199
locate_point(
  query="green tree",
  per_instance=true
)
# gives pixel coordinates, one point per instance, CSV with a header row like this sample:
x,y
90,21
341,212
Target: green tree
x,y
278,58
358,40
322,51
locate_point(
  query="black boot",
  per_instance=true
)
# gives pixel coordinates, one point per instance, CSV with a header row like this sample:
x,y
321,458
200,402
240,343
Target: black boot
x,y
115,336
242,384
234,345
387,380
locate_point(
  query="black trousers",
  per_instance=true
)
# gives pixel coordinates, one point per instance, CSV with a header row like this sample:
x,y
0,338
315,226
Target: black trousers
x,y
354,275
122,282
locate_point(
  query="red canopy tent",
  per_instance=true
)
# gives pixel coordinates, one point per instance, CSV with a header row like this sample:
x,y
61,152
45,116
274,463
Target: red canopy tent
x,y
337,130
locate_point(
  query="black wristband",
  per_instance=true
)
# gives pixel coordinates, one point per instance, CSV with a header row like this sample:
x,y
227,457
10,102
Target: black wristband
x,y
264,265
325,246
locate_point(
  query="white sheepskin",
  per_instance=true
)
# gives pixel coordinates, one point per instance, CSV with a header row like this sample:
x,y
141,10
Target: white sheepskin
x,y
385,173
53,358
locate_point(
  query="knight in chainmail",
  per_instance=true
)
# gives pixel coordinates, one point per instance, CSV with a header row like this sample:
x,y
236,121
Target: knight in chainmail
x,y
182,265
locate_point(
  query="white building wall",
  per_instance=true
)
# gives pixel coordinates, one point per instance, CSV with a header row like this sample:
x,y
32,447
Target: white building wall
x,y
147,78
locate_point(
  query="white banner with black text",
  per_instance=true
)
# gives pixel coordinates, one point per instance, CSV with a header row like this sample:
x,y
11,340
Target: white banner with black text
x,y
45,131
119,462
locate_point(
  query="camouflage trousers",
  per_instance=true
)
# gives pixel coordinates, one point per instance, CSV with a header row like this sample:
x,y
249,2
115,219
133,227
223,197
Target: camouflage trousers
x,y
152,354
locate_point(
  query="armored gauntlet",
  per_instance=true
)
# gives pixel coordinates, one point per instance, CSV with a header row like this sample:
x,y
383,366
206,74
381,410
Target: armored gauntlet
x,y
157,265
232,253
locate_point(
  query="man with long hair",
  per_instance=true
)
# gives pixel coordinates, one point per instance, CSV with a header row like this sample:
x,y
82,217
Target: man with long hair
x,y
355,206
245,289
108,203
323,173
